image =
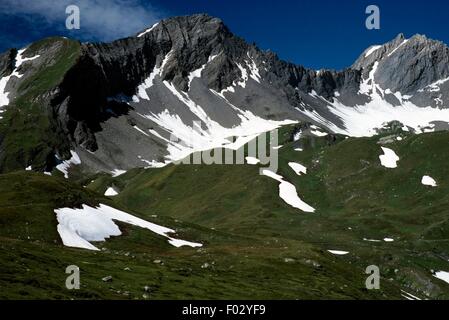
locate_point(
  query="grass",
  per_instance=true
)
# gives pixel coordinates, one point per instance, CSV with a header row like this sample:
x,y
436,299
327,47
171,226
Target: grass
x,y
354,195
255,245
229,266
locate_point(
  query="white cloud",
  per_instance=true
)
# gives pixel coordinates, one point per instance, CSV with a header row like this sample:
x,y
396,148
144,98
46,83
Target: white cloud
x,y
100,19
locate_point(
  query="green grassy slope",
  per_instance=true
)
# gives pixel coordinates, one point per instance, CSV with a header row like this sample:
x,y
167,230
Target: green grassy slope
x,y
354,195
255,245
230,265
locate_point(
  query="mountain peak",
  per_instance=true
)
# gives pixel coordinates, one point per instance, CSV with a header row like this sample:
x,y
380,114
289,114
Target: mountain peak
x,y
400,37
396,48
186,23
420,37
197,17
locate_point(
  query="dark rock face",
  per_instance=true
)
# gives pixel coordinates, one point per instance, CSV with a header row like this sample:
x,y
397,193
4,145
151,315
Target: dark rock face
x,y
108,69
7,62
99,104
193,40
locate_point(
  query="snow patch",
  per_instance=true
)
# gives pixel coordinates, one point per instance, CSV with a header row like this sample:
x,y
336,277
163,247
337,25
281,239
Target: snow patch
x,y
371,50
4,101
149,82
389,159
371,240
442,275
77,227
244,76
318,133
338,252
254,70
110,192
434,87
287,192
65,165
117,172
141,131
221,94
298,168
4,96
396,49
429,181
148,30
197,73
252,160
297,136
152,163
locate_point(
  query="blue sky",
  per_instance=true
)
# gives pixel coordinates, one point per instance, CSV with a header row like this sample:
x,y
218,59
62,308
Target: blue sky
x,y
314,33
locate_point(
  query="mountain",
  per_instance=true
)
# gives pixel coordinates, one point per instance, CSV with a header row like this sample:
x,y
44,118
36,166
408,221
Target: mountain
x,y
88,132
133,102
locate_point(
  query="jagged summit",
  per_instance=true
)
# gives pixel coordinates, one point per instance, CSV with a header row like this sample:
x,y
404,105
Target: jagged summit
x,y
201,20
